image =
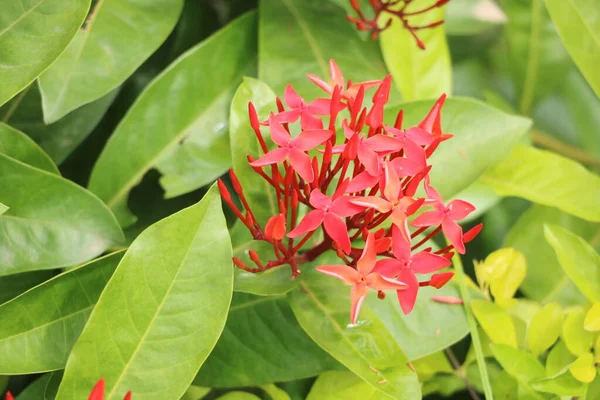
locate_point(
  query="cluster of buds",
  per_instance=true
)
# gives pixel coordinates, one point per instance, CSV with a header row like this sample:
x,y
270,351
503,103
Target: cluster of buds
x,y
96,394
362,190
392,9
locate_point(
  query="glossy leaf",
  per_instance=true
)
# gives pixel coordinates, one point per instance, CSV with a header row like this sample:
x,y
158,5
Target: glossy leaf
x,y
195,393
592,319
13,285
558,359
262,342
578,24
32,36
152,311
319,32
519,364
61,138
578,259
502,271
43,388
343,385
61,225
367,348
549,179
545,280
505,387
237,395
3,208
563,384
17,145
189,144
97,61
418,74
496,322
544,328
274,392
583,369
577,339
41,339
457,163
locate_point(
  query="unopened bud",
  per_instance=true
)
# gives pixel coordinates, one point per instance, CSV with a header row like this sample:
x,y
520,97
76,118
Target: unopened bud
x,y
253,117
380,295
223,190
439,280
275,227
235,182
472,233
254,256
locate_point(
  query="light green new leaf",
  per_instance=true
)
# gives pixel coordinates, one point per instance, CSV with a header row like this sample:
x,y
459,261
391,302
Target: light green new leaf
x,y
32,35
3,208
584,369
237,395
496,322
343,385
319,32
483,136
167,300
189,143
545,280
503,271
19,146
578,259
195,393
544,328
51,222
43,388
578,24
367,348
274,392
99,59
283,353
563,384
549,179
592,319
59,139
41,338
520,365
558,359
418,74
577,339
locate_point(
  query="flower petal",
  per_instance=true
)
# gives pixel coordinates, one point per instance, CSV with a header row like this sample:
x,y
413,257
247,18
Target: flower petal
x,y
389,267
343,207
379,282
309,223
288,116
429,218
400,220
280,136
392,188
344,273
453,232
405,167
273,157
369,159
337,77
319,106
336,228
419,136
320,83
309,121
301,163
459,209
382,143
408,296
366,262
400,246
307,140
425,262
375,202
357,296
292,99
432,122
318,199
275,227
362,181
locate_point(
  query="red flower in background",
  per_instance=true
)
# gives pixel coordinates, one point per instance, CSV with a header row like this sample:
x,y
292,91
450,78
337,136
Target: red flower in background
x,y
98,392
362,191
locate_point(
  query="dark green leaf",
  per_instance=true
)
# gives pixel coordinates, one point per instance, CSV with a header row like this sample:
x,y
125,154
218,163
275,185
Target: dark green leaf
x,y
32,35
17,145
47,320
189,144
97,61
14,285
162,311
43,388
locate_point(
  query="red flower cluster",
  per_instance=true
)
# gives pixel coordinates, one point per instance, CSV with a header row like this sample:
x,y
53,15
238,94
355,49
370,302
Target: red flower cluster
x,y
363,188
394,9
97,393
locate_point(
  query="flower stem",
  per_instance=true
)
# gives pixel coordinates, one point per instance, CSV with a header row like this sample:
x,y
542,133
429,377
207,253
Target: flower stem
x,y
464,291
544,140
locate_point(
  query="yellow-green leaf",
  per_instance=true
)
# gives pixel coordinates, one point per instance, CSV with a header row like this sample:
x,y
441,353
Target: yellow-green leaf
x,y
558,359
592,319
577,339
544,328
583,368
503,270
496,322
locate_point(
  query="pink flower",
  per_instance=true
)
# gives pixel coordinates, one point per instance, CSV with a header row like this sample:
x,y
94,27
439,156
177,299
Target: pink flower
x,y
337,79
405,266
362,277
293,150
446,215
331,213
306,112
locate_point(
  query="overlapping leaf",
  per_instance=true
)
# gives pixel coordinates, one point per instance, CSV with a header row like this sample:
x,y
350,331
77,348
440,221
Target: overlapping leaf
x,y
17,145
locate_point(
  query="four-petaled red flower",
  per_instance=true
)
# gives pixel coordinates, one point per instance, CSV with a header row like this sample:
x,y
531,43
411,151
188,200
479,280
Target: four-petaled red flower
x,y
306,112
337,79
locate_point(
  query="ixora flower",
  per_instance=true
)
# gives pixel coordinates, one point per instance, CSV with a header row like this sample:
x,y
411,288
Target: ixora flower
x,y
96,394
362,192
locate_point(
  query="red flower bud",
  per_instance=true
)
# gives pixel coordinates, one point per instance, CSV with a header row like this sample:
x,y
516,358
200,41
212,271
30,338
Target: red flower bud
x,y
276,227
447,299
254,256
253,117
223,190
9,396
439,280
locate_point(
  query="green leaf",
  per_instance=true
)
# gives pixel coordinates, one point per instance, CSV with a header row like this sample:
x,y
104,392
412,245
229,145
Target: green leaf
x,y
520,365
274,392
458,162
43,388
503,271
545,280
496,322
57,311
51,222
343,385
367,348
563,384
593,392
578,24
262,342
418,74
188,144
583,369
592,319
61,138
577,339
195,393
432,364
472,17
3,208
558,359
549,179
19,146
152,309
505,387
298,37
14,285
578,259
238,396
260,195
32,36
97,61
545,328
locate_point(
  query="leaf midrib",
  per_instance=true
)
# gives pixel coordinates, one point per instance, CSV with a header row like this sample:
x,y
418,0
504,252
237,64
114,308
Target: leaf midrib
x,y
25,14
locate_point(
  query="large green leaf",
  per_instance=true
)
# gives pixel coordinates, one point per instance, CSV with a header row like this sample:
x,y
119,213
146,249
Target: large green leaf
x,y
545,280
32,35
98,60
418,74
298,37
367,348
520,365
343,385
483,136
13,285
59,139
578,24
262,343
51,222
496,322
578,259
189,143
43,388
544,328
40,339
162,311
549,179
17,145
